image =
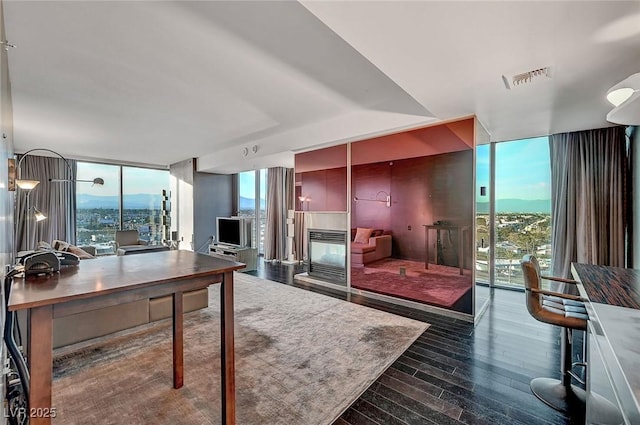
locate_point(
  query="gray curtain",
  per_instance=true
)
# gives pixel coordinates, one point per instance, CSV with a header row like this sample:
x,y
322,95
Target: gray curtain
x,y
279,199
589,198
57,200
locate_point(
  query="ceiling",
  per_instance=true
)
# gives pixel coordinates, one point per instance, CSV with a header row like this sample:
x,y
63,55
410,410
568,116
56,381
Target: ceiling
x,y
245,85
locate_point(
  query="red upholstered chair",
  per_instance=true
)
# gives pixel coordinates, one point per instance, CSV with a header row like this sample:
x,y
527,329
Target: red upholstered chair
x,y
566,311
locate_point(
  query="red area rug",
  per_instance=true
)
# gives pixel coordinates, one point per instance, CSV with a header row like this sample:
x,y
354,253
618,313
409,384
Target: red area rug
x,y
441,286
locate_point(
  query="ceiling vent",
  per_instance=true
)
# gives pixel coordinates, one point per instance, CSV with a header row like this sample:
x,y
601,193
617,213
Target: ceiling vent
x,y
526,77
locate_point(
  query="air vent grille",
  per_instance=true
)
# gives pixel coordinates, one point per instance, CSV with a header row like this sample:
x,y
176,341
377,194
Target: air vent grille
x,y
526,77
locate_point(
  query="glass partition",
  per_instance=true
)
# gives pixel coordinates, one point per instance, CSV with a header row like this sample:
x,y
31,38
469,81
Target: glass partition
x,y
414,191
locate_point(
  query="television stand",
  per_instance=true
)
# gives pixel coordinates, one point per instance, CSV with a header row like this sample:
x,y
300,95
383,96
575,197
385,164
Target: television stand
x,y
247,255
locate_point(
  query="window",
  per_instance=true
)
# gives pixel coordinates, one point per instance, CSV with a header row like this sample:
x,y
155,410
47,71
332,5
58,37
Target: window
x,y
142,201
129,199
252,203
522,221
98,207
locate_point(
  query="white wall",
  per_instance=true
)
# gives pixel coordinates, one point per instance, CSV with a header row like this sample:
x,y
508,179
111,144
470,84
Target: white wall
x,y
182,219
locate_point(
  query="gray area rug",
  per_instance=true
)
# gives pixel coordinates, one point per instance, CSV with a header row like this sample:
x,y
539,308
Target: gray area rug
x,y
301,358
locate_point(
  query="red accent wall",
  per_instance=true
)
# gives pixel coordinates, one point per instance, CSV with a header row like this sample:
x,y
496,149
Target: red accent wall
x,y
321,177
321,159
423,190
450,137
325,190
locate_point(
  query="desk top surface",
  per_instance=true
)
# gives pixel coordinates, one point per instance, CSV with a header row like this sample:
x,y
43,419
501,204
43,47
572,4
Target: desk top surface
x,y
111,274
609,285
614,312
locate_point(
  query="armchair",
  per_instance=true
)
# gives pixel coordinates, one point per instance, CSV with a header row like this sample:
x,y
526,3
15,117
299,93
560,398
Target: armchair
x,y
129,242
126,238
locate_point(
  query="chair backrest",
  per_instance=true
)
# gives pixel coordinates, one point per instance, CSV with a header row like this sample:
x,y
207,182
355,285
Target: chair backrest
x,y
532,279
531,273
127,237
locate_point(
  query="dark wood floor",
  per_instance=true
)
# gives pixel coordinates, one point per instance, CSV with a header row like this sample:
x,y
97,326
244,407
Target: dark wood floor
x,y
456,373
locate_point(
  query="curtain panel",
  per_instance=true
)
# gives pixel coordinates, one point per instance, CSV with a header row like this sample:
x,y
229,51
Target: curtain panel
x,y
589,198
57,200
280,189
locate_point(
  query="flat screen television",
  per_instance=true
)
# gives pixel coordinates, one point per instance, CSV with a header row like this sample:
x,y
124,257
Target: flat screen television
x,y
233,231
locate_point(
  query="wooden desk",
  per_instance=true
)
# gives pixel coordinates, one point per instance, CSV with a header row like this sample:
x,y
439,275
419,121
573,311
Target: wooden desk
x,y
438,227
118,279
613,335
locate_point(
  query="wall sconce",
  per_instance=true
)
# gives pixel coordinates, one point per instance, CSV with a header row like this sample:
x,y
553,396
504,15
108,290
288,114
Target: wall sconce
x,y
386,200
624,96
302,200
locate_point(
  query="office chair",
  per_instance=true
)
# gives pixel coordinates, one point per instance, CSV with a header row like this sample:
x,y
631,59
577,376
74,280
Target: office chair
x,y
568,312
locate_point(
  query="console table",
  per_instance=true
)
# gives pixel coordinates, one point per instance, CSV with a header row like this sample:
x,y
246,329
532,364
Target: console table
x,y
120,279
613,350
438,227
247,255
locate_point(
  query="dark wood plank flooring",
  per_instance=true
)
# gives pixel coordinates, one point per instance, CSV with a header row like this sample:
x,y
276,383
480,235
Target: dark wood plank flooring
x,y
456,373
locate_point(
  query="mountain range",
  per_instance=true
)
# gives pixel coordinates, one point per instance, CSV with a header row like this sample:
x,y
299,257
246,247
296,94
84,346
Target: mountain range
x,y
250,203
151,201
141,201
517,206
136,201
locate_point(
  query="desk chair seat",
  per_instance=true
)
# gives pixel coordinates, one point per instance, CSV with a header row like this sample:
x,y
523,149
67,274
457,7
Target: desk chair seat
x,y
568,312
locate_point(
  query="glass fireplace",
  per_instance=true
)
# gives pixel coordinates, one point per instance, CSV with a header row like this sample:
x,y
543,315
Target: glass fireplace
x,y
328,255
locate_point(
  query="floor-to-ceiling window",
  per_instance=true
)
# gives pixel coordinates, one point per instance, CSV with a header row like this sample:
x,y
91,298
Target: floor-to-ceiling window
x,y
522,217
142,201
252,189
98,206
130,198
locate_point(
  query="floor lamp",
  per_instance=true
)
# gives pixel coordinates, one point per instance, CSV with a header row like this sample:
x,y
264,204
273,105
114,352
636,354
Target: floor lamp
x,y
30,185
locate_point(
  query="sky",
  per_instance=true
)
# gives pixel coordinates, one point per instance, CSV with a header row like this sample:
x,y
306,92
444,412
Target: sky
x,y
248,184
136,180
522,169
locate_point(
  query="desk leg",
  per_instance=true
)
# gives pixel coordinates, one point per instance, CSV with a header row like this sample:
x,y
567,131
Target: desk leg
x,y
178,341
40,364
426,248
227,351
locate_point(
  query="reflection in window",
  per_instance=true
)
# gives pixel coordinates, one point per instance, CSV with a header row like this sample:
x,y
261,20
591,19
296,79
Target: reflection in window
x,y
141,201
483,168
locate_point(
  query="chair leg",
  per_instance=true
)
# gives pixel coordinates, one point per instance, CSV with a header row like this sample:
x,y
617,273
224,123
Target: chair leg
x,y
560,394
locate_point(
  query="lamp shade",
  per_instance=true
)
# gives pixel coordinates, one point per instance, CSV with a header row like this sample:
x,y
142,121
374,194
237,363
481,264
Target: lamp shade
x,y
27,184
624,96
38,214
